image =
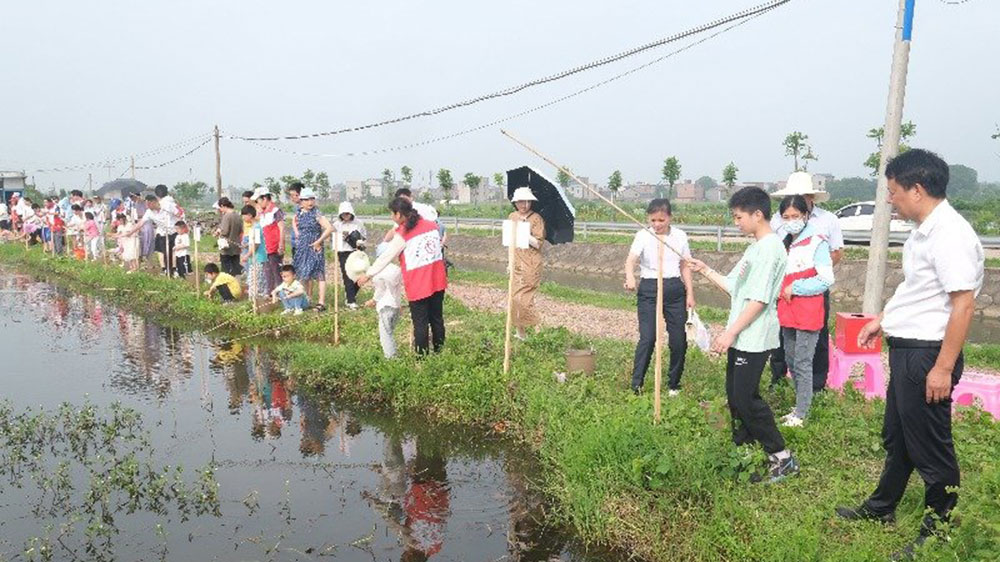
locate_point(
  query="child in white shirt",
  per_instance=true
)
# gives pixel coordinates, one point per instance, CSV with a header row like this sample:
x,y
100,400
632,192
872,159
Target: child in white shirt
x,y
388,285
182,242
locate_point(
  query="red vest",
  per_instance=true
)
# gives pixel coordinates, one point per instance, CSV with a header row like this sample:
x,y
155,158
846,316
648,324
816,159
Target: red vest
x,y
422,261
802,313
272,231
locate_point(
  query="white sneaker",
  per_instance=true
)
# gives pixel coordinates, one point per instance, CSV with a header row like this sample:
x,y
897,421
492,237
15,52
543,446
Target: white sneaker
x,y
297,312
287,311
792,421
352,305
672,393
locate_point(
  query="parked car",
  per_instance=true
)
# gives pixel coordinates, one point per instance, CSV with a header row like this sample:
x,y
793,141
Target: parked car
x,y
860,216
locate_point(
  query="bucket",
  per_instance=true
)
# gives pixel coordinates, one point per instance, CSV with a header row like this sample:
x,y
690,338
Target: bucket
x,y
580,361
80,253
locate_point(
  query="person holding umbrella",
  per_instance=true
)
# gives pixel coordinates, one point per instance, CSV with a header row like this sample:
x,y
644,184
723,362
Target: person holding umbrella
x,y
527,262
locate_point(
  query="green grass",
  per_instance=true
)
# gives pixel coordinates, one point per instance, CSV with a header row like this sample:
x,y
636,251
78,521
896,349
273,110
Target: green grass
x,y
672,491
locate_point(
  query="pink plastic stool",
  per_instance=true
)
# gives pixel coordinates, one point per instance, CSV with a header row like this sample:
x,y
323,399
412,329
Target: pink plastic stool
x,y
978,385
840,372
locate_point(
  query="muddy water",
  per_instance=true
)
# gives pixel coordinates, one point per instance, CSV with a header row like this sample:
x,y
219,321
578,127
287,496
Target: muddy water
x,y
301,477
983,330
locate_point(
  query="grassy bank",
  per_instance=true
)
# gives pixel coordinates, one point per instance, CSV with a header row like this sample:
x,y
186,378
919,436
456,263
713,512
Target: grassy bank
x,y
675,491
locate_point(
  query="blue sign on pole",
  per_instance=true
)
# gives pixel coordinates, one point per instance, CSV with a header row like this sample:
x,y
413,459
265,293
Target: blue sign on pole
x,y
908,20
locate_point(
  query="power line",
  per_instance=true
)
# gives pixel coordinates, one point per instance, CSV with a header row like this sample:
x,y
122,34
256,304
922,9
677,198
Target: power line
x,y
181,157
508,117
750,12
105,162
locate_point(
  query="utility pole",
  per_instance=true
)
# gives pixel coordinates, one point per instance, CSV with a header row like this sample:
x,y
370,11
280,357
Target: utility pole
x,y
878,249
132,167
90,183
218,166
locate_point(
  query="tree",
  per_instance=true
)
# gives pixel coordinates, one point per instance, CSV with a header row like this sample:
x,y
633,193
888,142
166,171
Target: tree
x,y
387,179
615,183
729,176
407,174
706,182
318,182
473,181
446,182
795,144
671,173
963,182
809,156
500,179
563,178
858,189
874,160
188,192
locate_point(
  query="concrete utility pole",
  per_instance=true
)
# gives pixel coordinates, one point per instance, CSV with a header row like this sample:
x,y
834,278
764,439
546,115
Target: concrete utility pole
x,y
90,183
878,249
218,166
132,167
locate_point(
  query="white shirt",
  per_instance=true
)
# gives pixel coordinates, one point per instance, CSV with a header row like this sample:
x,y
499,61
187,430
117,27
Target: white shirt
x,y
182,243
161,220
388,285
173,212
823,222
4,214
645,246
942,255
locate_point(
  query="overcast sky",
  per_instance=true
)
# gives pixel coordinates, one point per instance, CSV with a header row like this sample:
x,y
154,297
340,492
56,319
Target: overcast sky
x,y
85,81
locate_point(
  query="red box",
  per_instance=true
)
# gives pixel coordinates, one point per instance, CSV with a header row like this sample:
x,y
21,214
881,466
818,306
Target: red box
x,y
848,326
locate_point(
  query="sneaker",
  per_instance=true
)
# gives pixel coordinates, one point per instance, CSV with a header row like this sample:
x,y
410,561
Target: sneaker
x,y
673,392
352,305
791,420
864,514
298,311
287,311
778,470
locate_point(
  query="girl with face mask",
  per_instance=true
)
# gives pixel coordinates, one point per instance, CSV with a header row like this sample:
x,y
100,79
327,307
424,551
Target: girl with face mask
x,y
808,274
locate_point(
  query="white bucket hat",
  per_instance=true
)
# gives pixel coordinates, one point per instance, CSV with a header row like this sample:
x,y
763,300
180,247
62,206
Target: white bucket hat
x,y
259,192
356,265
523,194
346,207
801,183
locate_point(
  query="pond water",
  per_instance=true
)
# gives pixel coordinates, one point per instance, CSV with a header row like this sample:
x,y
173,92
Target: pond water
x,y
301,477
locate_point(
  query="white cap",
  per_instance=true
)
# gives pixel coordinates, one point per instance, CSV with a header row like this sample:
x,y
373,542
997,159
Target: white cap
x,y
345,207
259,192
307,193
523,194
801,183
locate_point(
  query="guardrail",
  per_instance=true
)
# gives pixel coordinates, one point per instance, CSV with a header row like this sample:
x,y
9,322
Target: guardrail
x,y
718,232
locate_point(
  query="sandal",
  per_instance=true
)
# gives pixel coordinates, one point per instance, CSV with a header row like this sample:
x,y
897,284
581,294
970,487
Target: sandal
x,y
320,308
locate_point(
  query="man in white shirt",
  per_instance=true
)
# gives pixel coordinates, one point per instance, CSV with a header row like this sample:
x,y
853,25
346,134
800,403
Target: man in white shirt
x,y
164,223
4,216
826,225
926,323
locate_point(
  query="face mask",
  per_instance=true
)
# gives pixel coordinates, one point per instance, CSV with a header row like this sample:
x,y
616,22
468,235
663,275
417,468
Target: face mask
x,y
795,226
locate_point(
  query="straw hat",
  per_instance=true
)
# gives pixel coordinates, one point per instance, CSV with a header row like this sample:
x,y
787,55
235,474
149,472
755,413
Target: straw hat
x,y
357,264
345,207
523,194
801,183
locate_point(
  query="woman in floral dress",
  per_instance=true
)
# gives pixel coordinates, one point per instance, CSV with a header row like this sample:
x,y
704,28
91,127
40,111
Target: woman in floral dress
x,y
311,229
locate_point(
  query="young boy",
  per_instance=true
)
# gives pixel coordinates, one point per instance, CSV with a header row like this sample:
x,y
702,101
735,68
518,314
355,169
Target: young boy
x,y
752,329
291,292
388,285
224,284
182,258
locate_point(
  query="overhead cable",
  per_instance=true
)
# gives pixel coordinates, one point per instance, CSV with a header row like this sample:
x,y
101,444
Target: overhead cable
x,y
750,12
106,161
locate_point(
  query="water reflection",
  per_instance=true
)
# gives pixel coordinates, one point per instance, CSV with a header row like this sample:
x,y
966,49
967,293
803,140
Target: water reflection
x,y
329,476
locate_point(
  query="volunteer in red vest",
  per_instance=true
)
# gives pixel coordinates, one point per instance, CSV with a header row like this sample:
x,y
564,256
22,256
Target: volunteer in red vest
x,y
808,275
417,242
272,222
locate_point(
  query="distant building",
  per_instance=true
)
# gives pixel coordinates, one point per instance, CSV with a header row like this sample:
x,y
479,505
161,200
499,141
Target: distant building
x,y
688,192
355,190
639,191
11,183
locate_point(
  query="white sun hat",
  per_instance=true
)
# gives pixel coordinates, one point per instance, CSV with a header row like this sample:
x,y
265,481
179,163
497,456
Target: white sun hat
x,y
259,192
346,207
356,265
523,194
801,183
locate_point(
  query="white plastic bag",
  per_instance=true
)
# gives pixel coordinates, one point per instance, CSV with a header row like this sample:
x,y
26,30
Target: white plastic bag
x,y
697,333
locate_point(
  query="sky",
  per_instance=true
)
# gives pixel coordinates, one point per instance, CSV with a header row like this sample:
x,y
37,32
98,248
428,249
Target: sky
x,y
89,81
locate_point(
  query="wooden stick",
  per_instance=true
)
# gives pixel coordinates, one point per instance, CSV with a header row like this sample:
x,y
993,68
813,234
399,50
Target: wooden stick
x,y
658,374
510,295
194,264
336,289
253,269
592,190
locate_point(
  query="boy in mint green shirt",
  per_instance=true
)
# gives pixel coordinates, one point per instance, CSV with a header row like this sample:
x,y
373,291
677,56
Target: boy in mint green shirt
x,y
752,330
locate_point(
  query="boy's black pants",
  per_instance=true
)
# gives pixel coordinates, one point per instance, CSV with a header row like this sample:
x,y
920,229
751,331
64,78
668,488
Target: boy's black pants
x,y
183,266
675,314
350,287
752,419
915,434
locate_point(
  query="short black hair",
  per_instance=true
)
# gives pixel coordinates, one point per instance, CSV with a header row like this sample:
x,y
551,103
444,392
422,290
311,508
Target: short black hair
x,y
403,191
248,210
89,216
919,166
160,190
797,201
76,193
121,217
287,267
76,207
296,186
180,224
751,199
248,194
34,206
211,268
225,202
659,206
151,198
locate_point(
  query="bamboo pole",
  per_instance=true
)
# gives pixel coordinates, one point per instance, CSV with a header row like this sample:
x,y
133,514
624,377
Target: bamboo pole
x,y
590,189
336,289
510,294
658,374
253,267
194,264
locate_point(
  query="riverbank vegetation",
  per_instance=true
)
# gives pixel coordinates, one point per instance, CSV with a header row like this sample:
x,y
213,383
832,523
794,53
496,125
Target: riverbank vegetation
x,y
678,490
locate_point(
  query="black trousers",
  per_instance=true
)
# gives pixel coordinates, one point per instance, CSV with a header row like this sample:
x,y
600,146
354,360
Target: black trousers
x,y
821,360
165,246
916,435
224,293
350,287
675,314
428,312
183,265
230,264
752,419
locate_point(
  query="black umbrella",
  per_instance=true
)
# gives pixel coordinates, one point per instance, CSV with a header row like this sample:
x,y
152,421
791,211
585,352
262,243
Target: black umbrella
x,y
553,205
